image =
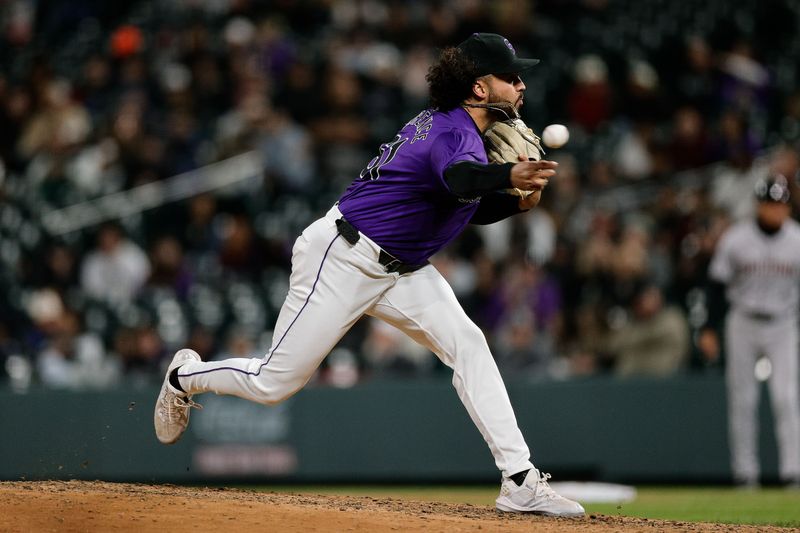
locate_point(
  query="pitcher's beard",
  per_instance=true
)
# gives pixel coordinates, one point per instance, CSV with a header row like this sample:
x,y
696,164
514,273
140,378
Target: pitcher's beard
x,y
503,109
500,110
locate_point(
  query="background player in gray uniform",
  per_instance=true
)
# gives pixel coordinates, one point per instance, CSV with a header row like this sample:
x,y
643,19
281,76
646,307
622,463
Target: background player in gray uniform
x,y
369,255
758,262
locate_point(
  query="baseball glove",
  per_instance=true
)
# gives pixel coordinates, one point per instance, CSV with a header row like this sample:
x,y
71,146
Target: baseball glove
x,y
506,140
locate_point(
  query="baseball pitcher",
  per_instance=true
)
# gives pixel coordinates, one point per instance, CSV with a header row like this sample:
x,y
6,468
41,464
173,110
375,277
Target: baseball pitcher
x,y
369,256
757,264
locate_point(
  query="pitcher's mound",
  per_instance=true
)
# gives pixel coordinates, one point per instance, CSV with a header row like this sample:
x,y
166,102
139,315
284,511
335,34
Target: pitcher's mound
x,y
27,506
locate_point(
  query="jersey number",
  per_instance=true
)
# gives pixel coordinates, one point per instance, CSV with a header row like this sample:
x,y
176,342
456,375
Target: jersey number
x,y
387,153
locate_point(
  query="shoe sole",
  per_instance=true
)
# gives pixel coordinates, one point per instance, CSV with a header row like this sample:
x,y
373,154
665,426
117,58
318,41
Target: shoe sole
x,y
155,419
507,509
193,357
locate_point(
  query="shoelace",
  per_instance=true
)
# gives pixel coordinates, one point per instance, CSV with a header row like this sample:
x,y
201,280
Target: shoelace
x,y
542,487
179,407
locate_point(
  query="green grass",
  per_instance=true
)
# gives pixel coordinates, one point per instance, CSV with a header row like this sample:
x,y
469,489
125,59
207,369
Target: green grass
x,y
772,506
769,506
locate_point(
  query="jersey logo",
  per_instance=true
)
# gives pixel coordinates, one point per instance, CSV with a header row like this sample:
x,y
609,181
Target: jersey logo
x,y
384,157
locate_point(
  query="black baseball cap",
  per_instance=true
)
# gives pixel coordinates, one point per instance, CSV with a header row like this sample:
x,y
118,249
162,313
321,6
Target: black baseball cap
x,y
493,54
773,188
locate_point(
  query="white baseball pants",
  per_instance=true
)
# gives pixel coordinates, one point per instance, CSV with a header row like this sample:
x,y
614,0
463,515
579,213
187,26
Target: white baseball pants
x,y
334,283
746,340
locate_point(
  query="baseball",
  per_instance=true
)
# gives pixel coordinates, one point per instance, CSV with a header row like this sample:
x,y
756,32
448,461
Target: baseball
x,y
555,135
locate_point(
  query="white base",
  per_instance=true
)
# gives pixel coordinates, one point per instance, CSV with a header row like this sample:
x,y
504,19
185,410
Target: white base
x,y
592,492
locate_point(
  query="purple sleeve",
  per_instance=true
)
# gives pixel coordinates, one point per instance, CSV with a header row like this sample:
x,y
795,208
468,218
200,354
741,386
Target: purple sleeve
x,y
454,146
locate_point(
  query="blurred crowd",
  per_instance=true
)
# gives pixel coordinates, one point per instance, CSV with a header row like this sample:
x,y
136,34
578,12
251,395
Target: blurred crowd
x,y
675,109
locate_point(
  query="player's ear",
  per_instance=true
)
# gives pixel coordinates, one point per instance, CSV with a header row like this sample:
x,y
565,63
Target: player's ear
x,y
479,89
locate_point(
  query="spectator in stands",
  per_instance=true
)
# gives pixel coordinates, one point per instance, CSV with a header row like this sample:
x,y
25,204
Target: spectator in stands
x,y
299,95
595,255
736,145
389,352
183,147
653,342
564,197
95,89
581,350
44,309
695,80
15,109
15,367
744,84
306,84
633,157
116,268
141,352
525,336
341,130
541,236
127,130
73,358
242,252
95,168
57,270
202,338
484,302
591,98
197,232
790,120
238,343
521,348
169,271
631,257
287,151
235,130
59,125
689,147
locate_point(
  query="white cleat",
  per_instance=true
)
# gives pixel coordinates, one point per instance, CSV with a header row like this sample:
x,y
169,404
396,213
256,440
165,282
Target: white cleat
x,y
172,406
535,496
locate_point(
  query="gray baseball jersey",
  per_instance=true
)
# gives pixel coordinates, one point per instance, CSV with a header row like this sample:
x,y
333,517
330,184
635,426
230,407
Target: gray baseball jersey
x,y
762,274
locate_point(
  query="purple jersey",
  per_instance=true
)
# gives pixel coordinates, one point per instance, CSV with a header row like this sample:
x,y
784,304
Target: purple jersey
x,y
401,200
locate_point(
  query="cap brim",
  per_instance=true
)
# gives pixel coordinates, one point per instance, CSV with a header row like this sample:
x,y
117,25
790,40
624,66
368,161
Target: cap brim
x,y
518,65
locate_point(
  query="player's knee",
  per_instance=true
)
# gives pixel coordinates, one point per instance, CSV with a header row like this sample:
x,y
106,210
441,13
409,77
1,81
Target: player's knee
x,y
477,334
275,392
473,339
271,398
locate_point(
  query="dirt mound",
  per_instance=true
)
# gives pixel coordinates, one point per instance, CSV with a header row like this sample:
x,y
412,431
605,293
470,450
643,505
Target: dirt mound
x,y
100,506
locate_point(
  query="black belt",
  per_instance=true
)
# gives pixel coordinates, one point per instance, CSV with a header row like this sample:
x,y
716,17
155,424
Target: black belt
x,y
390,262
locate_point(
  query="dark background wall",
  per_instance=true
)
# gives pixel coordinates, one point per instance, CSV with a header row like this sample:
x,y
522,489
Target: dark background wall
x,y
660,431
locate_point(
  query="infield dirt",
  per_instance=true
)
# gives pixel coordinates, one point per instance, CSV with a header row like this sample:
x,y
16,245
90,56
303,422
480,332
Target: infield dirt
x,y
88,506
